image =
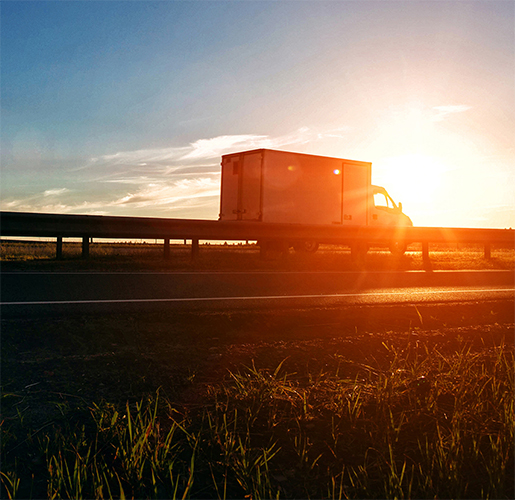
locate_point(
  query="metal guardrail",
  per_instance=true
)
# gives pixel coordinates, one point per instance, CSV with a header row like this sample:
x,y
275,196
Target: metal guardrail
x,y
98,226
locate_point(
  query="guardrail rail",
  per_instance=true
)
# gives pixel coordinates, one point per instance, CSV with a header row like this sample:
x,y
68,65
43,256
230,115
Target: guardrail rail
x,y
61,226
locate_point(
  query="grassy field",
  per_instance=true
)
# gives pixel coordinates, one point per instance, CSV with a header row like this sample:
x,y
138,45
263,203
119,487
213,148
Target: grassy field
x,y
385,402
139,256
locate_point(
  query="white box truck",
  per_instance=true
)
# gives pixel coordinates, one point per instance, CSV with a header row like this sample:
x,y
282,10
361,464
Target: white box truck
x,y
272,186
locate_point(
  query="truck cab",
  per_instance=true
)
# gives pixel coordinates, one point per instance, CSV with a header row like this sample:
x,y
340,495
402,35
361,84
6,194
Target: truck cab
x,y
384,211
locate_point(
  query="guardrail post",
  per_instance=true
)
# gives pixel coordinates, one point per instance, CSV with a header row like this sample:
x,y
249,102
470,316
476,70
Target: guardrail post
x,y
425,251
59,248
358,251
194,248
488,251
166,249
85,247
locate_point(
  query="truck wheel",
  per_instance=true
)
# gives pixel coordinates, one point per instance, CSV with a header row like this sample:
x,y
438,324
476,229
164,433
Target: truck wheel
x,y
307,246
398,248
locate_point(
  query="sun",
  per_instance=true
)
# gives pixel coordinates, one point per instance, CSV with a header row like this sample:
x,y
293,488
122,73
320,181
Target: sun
x,y
414,179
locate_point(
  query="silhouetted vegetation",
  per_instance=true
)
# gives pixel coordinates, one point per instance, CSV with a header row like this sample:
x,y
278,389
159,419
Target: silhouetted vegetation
x,y
335,403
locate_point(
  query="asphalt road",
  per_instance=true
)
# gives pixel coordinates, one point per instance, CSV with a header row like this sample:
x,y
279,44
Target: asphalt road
x,y
79,292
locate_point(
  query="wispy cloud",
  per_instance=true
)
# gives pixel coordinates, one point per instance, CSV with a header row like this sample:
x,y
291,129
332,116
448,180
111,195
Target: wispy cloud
x,y
336,133
202,149
161,181
212,148
442,112
139,157
161,197
217,146
55,192
168,195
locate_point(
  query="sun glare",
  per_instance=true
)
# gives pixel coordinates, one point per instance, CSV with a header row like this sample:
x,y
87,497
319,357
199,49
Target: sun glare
x,y
413,179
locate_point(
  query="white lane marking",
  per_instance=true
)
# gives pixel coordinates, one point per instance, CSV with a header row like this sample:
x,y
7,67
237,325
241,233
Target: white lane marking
x,y
266,297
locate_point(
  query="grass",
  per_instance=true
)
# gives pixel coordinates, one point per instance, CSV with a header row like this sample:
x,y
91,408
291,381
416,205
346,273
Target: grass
x,y
239,405
15,250
143,256
426,425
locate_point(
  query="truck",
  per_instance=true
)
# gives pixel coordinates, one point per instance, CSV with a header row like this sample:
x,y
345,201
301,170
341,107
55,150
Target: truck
x,y
271,186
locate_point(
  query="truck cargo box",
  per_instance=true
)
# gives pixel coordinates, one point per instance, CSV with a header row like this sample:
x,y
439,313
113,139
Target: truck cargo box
x,y
282,187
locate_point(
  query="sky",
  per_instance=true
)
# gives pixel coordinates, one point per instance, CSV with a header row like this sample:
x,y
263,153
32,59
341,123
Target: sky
x,y
125,107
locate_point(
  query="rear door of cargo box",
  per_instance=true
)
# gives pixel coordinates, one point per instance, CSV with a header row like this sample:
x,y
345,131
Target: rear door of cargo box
x,y
241,186
230,187
356,183
250,186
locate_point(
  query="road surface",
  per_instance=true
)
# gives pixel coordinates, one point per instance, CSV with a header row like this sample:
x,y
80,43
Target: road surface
x,y
81,292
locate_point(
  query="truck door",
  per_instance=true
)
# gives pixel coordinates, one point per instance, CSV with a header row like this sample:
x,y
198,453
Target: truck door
x,y
241,187
230,181
250,187
355,194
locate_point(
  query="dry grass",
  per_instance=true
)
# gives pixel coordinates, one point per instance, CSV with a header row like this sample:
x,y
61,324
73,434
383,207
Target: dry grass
x,y
333,403
139,256
425,425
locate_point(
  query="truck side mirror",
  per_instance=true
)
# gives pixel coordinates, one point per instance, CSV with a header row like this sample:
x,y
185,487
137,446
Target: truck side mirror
x,y
400,206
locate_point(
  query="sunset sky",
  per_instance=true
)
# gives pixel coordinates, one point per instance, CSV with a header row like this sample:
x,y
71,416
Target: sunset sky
x,y
124,108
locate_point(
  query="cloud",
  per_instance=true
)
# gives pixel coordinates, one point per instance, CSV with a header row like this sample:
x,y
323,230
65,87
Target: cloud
x,y
55,192
162,196
168,195
202,149
215,147
164,182
141,157
443,112
336,133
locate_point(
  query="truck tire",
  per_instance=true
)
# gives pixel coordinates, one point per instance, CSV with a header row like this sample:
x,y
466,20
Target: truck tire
x,y
306,246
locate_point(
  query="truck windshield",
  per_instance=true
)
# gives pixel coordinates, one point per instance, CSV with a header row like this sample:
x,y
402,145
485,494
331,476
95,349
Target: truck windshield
x,y
383,200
